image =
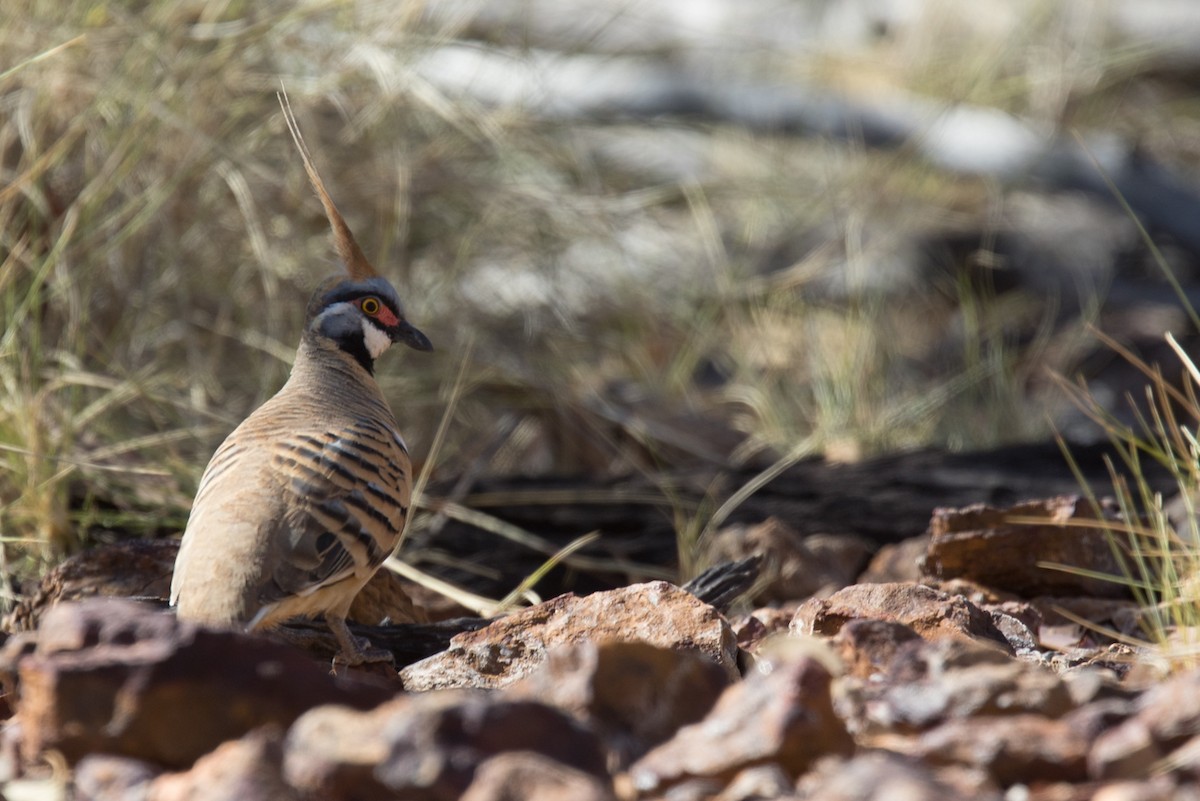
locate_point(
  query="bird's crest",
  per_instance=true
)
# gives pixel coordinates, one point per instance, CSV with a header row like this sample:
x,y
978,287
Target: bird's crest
x,y
351,254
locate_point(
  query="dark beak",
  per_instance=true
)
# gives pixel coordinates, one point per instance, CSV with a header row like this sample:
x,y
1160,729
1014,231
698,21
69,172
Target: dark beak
x,y
408,334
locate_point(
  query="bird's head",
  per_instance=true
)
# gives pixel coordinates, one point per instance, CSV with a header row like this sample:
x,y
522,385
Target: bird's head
x,y
363,317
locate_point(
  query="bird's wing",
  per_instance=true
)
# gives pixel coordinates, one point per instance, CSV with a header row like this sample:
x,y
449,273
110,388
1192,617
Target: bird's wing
x,y
346,496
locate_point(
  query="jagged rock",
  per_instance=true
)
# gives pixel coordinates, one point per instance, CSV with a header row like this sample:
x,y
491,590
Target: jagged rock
x,y
520,776
331,752
883,776
103,777
1127,751
762,624
867,647
785,717
1167,716
635,695
931,613
429,746
897,562
115,676
248,769
929,683
1158,788
139,569
437,743
1012,749
751,784
1002,548
796,566
512,647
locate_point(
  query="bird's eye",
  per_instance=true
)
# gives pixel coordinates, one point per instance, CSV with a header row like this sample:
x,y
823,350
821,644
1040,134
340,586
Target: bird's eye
x,y
370,306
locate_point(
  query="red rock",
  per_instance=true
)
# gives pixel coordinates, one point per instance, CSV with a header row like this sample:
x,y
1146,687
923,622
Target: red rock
x,y
931,613
520,776
960,679
438,742
1128,751
1012,749
867,647
102,777
762,624
1005,549
1166,717
1159,788
249,769
883,776
897,563
115,676
331,752
635,695
429,746
512,647
751,784
785,717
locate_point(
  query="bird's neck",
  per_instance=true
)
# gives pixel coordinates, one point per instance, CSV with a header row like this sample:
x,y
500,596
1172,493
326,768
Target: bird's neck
x,y
323,367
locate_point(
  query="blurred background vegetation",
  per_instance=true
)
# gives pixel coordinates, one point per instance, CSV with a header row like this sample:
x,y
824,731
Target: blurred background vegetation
x,y
646,233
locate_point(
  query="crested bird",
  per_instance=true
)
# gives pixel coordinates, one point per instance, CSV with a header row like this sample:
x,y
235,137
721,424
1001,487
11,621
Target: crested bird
x,y
305,499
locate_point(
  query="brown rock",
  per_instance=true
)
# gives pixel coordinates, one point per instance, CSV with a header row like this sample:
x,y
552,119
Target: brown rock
x,y
438,741
1005,549
883,776
928,683
385,600
520,776
899,562
752,784
796,566
930,613
1159,788
429,746
1128,751
867,647
785,717
128,569
762,624
1011,749
103,777
511,647
249,769
331,752
1167,716
114,676
635,695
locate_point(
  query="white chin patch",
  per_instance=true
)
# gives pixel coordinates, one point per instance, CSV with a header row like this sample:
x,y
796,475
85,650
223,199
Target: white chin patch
x,y
376,341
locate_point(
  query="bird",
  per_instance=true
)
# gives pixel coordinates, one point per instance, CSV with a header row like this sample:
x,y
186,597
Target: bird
x,y
306,498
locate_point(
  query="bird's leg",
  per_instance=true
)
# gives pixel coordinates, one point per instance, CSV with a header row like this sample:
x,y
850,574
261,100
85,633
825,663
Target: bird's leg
x,y
354,650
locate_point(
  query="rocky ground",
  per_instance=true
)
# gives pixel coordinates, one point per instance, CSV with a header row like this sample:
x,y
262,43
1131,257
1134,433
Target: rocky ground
x,y
955,665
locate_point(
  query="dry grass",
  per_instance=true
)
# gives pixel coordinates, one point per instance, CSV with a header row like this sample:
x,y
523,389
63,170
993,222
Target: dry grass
x,y
159,241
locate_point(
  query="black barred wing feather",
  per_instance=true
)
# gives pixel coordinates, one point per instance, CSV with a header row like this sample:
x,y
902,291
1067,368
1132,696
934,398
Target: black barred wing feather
x,y
349,497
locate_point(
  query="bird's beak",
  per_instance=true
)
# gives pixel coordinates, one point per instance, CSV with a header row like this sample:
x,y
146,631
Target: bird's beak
x,y
408,334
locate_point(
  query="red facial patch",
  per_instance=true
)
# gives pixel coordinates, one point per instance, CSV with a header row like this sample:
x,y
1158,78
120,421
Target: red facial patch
x,y
385,316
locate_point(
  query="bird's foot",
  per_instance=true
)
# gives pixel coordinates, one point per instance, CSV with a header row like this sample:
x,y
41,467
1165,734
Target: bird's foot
x,y
354,651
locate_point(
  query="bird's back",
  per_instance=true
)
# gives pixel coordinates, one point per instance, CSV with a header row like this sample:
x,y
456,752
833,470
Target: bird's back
x,y
300,504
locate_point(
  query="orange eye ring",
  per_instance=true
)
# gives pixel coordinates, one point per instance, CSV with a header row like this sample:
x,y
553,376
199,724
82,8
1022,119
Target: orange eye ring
x,y
370,306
